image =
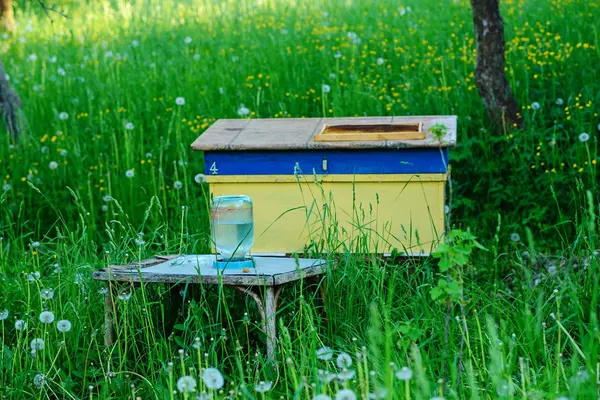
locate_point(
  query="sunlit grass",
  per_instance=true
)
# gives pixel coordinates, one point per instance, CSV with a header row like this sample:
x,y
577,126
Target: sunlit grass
x,y
103,173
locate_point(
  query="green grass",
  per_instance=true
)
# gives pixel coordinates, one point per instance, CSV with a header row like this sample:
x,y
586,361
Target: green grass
x,y
524,325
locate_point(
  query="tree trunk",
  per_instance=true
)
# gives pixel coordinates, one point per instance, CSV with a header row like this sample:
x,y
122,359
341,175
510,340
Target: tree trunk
x,y
7,15
490,78
9,105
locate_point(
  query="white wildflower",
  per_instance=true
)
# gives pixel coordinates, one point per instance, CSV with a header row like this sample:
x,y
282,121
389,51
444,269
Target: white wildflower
x,y
187,40
263,387
47,317
47,294
343,360
178,185
213,379
346,375
180,101
200,178
405,374
39,380
20,325
63,326
380,61
129,126
243,110
37,344
326,88
345,394
324,353
32,57
535,105
63,116
3,315
130,173
584,137
53,165
186,384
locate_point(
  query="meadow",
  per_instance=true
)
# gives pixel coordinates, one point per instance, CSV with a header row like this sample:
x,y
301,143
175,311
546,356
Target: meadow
x,y
115,92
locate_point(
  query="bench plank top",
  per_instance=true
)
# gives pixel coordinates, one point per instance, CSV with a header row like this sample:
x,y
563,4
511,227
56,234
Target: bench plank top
x,y
267,271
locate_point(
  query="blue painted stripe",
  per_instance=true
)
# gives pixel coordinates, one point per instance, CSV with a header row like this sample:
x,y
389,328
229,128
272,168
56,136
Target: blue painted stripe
x,y
402,161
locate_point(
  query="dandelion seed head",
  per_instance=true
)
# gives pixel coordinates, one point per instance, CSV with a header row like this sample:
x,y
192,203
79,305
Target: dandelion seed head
x,y
380,61
187,40
135,43
47,294
515,237
63,116
180,101
64,325
186,384
243,111
4,314
324,353
32,57
130,173
345,394
129,126
64,152
37,344
6,187
321,397
559,102
346,375
178,185
535,106
584,137
343,360
39,380
124,296
263,387
200,178
20,325
61,71
53,165
213,379
326,88
46,317
405,374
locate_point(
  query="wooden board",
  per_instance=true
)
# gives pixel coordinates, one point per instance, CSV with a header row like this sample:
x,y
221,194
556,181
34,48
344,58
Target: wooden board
x,y
370,132
268,271
298,133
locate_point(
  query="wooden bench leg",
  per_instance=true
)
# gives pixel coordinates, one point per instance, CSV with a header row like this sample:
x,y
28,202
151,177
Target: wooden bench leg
x,y
109,329
271,322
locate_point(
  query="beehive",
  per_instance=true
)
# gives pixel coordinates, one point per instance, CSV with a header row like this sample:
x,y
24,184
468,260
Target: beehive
x,y
360,184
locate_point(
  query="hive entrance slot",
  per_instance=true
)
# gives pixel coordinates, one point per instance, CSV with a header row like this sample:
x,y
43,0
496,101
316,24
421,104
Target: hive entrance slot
x,y
370,132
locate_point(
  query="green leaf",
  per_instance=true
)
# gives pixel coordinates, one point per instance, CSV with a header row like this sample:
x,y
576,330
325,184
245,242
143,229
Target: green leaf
x,y
445,264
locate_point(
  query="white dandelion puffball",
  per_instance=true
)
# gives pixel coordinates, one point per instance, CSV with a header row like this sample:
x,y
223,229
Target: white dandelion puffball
x,y
332,76
186,384
178,185
263,387
346,375
213,379
124,296
64,325
47,317
61,72
187,40
63,116
6,187
37,344
32,57
20,325
405,374
584,137
243,110
53,59
324,353
505,389
64,152
321,397
345,394
3,315
380,61
135,43
104,208
515,237
221,90
39,380
535,105
559,102
106,198
47,294
200,178
129,173
53,165
129,126
180,101
337,55
35,245
196,57
344,360
326,88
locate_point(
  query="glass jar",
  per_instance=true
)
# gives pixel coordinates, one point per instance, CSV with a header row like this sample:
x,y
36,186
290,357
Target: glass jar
x,y
232,226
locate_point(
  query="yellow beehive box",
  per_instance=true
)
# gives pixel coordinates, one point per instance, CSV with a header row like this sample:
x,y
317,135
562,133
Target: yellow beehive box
x,y
360,184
